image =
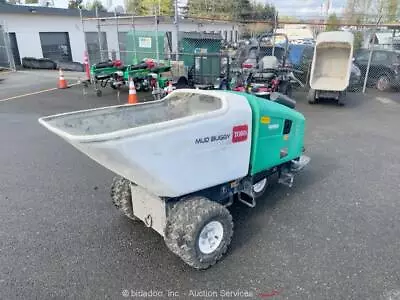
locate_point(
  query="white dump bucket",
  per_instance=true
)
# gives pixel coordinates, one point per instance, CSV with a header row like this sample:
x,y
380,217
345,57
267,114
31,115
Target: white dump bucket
x,y
331,66
171,147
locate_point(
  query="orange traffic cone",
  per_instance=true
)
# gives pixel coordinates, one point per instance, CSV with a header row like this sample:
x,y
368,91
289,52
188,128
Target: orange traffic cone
x,y
62,83
132,98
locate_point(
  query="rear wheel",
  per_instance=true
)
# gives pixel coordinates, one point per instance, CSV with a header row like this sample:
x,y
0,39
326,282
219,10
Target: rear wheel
x,y
199,231
311,96
138,86
122,197
342,98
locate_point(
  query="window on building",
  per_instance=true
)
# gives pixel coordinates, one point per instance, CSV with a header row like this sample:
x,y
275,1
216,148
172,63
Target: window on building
x,y
14,48
95,55
56,46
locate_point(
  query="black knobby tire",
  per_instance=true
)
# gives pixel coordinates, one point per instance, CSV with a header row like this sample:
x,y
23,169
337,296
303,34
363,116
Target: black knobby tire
x,y
342,98
285,88
138,86
311,96
289,91
122,197
184,225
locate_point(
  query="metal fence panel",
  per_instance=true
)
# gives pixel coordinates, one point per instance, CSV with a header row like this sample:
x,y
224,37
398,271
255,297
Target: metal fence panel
x,y
6,58
208,56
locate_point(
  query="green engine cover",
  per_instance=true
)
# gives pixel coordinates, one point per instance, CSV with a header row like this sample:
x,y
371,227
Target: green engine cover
x,y
277,135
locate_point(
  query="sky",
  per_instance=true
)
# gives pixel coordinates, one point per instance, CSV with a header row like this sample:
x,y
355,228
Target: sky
x,y
306,7
300,8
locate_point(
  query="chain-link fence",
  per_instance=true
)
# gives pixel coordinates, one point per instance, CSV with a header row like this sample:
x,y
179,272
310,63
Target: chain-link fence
x,y
227,53
6,58
132,40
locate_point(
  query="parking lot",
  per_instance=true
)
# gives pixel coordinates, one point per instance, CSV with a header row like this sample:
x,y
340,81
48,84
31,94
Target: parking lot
x,y
334,235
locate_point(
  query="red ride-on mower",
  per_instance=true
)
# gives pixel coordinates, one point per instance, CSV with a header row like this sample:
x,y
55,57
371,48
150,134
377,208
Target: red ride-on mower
x,y
271,71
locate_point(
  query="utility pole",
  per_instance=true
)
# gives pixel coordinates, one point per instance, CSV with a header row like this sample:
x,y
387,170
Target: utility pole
x,y
176,21
372,45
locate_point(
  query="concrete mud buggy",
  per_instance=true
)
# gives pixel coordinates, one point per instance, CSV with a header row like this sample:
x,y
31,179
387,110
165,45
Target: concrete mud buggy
x,y
331,67
184,159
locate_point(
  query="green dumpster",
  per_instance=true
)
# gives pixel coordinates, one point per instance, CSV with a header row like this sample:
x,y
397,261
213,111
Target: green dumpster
x,y
202,51
143,44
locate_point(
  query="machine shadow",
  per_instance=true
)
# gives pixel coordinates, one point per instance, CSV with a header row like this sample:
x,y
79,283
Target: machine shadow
x,y
353,100
320,168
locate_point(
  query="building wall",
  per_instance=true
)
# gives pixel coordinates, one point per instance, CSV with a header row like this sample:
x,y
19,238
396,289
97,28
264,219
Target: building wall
x,y
27,28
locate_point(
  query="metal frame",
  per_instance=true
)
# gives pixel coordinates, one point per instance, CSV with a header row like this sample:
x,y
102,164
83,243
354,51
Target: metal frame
x,y
132,18
7,46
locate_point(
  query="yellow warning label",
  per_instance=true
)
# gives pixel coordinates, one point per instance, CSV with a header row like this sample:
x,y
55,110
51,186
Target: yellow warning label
x,y
286,137
265,120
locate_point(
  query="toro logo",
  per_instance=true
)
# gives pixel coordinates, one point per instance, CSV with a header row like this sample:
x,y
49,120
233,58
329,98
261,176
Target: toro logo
x,y
240,133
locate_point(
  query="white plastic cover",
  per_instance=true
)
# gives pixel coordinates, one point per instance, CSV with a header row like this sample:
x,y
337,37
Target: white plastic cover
x,y
188,141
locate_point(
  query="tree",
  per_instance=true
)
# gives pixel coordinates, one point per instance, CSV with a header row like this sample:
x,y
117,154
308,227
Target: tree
x,y
391,8
31,1
367,11
94,4
358,40
159,7
241,10
333,23
264,12
75,4
150,7
132,6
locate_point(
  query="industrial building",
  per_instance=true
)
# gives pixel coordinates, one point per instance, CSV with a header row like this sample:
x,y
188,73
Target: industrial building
x,y
60,34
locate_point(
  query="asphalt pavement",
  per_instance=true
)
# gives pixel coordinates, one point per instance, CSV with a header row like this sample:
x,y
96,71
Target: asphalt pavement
x,y
334,235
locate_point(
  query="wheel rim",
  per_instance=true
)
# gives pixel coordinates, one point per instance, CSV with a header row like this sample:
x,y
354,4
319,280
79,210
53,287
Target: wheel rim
x,y
383,83
211,237
259,186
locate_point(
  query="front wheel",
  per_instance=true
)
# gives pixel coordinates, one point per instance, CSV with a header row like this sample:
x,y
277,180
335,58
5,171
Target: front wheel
x,y
311,96
285,87
199,231
122,197
260,187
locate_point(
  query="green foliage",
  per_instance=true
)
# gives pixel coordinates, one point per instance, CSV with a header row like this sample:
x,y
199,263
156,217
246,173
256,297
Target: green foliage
x,y
333,23
75,4
231,9
391,8
358,39
367,11
150,7
31,1
132,6
94,4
